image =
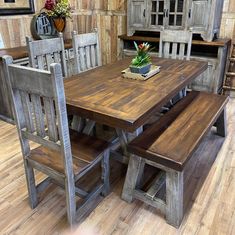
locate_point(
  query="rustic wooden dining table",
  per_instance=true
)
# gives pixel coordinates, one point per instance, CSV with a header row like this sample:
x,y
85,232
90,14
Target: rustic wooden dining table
x,y
104,96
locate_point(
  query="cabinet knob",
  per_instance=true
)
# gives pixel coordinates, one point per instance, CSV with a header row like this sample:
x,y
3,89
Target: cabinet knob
x,y
144,13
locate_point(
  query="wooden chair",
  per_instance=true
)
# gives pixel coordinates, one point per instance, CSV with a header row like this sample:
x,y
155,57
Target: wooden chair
x,y
64,156
86,56
175,44
86,51
42,53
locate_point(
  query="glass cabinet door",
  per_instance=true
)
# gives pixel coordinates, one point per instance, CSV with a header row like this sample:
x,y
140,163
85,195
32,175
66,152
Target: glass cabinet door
x,y
175,14
167,13
157,13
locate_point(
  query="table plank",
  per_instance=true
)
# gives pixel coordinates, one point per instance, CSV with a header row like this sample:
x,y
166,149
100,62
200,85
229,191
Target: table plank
x,y
104,96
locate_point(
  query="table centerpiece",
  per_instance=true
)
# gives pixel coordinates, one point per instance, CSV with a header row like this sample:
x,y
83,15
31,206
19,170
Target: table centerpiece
x,y
142,62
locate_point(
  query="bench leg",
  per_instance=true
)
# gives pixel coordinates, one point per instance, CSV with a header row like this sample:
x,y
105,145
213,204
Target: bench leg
x,y
134,172
174,197
105,173
221,124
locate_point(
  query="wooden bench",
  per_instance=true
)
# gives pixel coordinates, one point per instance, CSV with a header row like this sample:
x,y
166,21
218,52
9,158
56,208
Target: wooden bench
x,y
168,145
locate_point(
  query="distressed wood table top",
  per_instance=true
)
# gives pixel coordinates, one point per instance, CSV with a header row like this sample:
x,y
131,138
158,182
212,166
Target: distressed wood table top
x,y
104,96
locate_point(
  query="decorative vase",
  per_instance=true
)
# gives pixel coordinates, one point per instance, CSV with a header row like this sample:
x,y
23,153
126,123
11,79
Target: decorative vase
x,y
59,23
142,70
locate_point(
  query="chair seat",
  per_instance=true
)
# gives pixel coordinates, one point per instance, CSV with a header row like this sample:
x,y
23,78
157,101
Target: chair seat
x,y
85,150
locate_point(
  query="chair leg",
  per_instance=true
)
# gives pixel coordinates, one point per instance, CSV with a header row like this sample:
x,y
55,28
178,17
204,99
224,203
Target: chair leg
x,y
134,171
174,197
221,124
32,190
105,173
70,200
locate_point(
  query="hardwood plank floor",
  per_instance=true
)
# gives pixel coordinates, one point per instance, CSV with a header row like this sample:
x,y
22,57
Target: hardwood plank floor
x,y
212,206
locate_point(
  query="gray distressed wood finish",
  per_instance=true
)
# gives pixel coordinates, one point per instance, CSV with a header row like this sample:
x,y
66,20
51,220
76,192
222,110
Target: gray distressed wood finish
x,y
42,53
175,44
173,204
87,55
40,112
86,51
203,17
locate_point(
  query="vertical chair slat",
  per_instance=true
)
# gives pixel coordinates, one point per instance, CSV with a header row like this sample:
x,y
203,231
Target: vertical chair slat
x,y
88,57
174,50
166,49
182,49
82,58
51,118
56,57
39,117
40,62
28,112
93,56
49,60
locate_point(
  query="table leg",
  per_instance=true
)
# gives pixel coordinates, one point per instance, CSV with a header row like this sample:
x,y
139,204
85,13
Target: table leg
x,y
124,139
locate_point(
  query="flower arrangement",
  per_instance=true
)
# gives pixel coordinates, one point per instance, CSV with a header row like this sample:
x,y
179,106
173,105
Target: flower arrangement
x,y
57,8
142,62
142,57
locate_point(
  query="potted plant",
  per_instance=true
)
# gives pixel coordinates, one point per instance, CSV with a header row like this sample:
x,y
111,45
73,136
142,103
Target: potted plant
x,y
58,10
142,62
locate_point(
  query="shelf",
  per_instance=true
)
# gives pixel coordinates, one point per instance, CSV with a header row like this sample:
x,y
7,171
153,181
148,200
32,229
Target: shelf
x,y
216,43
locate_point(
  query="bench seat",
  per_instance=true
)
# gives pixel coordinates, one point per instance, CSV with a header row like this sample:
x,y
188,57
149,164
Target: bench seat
x,y
168,145
173,139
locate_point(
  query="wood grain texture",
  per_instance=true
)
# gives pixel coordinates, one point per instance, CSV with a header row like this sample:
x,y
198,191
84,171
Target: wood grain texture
x,y
54,157
82,155
173,139
104,96
212,211
109,17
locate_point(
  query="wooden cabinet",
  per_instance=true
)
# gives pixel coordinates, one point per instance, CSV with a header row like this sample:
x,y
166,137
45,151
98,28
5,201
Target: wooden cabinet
x,y
138,10
201,16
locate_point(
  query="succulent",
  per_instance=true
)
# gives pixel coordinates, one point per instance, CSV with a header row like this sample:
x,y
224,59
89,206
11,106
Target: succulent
x,y
142,57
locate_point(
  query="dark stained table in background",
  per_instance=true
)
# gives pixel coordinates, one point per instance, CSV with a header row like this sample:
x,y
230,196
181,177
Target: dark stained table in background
x,y
102,95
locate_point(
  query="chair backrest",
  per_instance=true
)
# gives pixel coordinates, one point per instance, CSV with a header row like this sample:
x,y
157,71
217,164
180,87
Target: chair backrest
x,y
86,51
175,44
39,107
44,52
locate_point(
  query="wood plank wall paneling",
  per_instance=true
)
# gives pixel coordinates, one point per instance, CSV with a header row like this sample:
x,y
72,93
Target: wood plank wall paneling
x,y
108,16
227,28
